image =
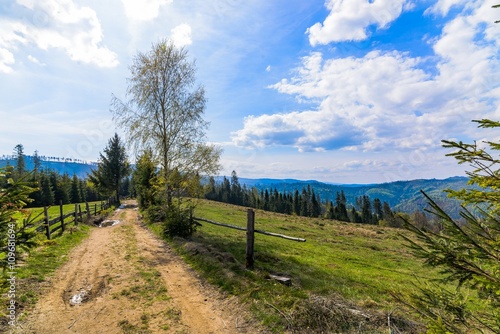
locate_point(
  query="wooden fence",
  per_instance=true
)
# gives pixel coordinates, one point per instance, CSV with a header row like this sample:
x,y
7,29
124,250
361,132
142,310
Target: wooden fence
x,y
250,229
50,225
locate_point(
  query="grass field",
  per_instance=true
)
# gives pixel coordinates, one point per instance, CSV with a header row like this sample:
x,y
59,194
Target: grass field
x,y
356,266
53,210
37,214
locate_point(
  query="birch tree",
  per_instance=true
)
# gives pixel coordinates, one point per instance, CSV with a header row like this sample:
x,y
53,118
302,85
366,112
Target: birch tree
x,y
162,112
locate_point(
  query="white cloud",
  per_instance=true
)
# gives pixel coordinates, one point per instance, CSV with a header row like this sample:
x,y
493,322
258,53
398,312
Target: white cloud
x,y
60,25
268,68
35,60
181,35
143,10
6,59
386,100
349,19
442,7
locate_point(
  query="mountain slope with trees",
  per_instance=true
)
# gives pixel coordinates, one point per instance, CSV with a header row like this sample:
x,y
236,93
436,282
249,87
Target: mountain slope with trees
x,y
402,196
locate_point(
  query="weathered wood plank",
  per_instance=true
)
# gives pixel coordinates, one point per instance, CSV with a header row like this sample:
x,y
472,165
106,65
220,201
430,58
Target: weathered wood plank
x,y
281,279
280,236
220,224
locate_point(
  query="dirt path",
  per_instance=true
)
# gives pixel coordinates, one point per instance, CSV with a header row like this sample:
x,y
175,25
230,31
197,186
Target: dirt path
x,y
129,281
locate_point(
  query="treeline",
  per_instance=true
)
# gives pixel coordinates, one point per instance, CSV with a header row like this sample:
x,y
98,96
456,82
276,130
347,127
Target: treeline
x,y
50,186
304,202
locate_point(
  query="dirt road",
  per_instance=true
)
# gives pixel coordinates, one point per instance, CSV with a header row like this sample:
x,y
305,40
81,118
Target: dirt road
x,y
123,279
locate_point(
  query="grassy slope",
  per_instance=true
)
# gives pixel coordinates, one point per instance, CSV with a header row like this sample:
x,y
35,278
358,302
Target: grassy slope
x,y
355,264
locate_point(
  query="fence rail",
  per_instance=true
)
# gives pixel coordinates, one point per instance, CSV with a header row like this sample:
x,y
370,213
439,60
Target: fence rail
x,y
50,225
250,229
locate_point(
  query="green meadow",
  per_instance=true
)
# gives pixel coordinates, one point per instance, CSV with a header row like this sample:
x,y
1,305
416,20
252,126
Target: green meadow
x,y
358,268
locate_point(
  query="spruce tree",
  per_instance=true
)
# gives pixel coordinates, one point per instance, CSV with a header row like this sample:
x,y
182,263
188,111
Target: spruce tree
x,y
112,168
466,252
20,161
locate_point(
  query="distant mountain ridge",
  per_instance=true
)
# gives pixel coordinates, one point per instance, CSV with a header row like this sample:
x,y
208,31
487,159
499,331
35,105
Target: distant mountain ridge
x,y
404,196
61,165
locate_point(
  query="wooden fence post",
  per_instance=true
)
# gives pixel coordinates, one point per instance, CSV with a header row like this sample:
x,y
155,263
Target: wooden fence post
x,y
250,238
80,213
61,213
95,209
76,214
88,210
47,226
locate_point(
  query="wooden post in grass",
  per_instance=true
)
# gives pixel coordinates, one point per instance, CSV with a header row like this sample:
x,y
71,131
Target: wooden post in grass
x,y
88,210
47,226
250,238
61,214
95,209
80,213
76,214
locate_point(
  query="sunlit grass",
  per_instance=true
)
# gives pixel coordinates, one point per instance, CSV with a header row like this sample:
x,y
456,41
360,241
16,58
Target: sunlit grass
x,y
361,264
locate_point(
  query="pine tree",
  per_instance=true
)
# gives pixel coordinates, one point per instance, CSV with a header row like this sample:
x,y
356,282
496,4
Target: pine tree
x,y
47,193
315,205
296,202
20,161
113,167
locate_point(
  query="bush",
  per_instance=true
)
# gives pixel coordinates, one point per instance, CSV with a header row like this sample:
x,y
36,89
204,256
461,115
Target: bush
x,y
178,222
155,214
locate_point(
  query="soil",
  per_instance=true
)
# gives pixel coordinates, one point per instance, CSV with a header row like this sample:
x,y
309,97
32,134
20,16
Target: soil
x,y
123,279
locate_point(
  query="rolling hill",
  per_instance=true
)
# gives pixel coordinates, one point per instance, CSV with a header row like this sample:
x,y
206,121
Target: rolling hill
x,y
404,196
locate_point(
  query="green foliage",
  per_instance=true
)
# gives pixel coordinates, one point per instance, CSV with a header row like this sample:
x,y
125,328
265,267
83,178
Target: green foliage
x,y
467,252
143,179
14,236
155,214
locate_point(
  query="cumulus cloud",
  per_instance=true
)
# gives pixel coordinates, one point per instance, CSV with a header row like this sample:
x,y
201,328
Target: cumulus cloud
x,y
181,35
60,25
389,99
6,59
307,131
349,19
143,10
442,7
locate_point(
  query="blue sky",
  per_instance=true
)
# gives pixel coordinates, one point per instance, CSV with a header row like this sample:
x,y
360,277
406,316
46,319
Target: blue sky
x,y
350,91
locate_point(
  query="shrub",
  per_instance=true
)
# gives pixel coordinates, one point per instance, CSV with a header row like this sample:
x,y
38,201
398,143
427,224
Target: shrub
x,y
178,222
155,214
